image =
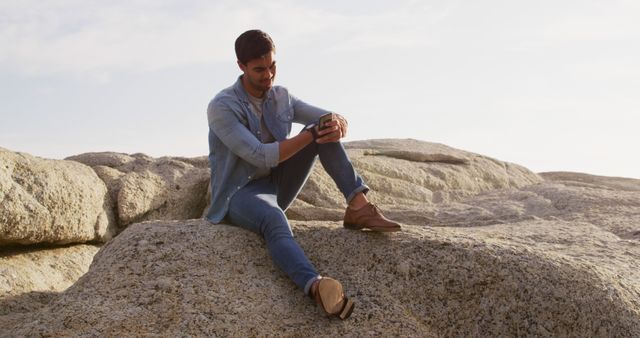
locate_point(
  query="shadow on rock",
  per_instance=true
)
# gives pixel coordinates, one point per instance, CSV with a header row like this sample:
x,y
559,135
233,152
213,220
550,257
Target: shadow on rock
x,y
26,302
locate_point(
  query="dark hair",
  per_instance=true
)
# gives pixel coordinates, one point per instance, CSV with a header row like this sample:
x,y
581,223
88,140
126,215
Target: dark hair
x,y
253,44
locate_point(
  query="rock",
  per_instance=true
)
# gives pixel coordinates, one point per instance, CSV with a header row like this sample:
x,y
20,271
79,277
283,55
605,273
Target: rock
x,y
145,188
29,274
405,181
192,278
581,179
597,203
139,194
51,201
113,180
488,248
107,159
600,203
45,268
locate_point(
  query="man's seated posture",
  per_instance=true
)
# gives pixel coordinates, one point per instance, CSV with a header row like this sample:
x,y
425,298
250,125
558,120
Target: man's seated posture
x,y
257,171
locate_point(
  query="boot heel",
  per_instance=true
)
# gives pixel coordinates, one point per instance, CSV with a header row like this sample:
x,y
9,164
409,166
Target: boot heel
x,y
347,309
352,226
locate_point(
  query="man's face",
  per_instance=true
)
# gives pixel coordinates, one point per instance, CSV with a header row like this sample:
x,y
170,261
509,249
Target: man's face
x,y
259,74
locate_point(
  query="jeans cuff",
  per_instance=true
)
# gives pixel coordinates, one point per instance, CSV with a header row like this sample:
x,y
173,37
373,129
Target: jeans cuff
x,y
363,188
307,287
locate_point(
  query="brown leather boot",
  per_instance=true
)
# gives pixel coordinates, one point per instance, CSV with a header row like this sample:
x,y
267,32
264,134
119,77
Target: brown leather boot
x,y
329,295
369,217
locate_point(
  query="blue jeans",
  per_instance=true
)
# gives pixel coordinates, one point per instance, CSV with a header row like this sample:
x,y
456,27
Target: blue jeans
x,y
259,206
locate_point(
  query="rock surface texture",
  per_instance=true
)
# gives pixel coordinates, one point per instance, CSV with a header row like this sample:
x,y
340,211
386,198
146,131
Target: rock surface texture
x,y
488,248
145,188
51,201
193,278
30,275
407,177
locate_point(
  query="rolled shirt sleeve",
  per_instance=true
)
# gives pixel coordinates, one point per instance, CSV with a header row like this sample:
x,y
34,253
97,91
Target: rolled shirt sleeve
x,y
227,125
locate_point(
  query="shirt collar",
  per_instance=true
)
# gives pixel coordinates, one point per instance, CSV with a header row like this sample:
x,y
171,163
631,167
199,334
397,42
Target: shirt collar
x,y
242,93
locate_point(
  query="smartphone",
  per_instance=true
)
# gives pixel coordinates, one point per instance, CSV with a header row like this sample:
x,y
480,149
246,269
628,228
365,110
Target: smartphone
x,y
324,119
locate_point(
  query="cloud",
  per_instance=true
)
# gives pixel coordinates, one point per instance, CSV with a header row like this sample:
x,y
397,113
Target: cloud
x,y
98,37
101,36
596,21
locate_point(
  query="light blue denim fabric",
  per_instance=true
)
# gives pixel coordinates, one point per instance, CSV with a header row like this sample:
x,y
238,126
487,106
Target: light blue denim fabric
x,y
259,206
235,150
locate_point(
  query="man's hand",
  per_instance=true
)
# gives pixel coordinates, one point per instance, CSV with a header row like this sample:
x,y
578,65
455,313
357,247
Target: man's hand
x,y
336,129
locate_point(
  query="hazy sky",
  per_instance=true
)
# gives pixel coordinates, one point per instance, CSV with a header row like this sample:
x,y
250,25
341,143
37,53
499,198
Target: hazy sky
x,y
551,85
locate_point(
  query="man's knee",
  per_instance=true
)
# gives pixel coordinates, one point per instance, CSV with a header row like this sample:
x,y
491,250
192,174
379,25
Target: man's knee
x,y
275,224
330,147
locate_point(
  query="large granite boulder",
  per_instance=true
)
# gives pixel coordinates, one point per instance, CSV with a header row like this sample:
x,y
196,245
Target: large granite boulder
x,y
488,248
51,201
146,188
408,178
192,278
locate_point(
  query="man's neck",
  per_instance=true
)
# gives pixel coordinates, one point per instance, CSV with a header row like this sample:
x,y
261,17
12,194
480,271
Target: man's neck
x,y
251,91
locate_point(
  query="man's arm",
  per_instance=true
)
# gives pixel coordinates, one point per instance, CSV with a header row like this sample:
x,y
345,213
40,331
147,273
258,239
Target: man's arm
x,y
293,145
225,123
290,147
305,113
237,137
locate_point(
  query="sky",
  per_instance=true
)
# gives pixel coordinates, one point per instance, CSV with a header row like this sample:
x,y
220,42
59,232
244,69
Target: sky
x,y
550,85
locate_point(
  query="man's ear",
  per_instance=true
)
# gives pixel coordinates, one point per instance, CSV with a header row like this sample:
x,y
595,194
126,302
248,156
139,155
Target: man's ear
x,y
243,67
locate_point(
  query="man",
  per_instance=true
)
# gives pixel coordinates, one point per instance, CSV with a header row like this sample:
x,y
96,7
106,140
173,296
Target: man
x,y
257,171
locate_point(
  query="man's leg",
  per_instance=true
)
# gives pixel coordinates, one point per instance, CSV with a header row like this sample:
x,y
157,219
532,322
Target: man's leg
x,y
255,208
291,175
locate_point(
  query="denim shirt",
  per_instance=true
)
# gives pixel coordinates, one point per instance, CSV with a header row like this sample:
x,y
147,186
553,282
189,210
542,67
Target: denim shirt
x,y
236,153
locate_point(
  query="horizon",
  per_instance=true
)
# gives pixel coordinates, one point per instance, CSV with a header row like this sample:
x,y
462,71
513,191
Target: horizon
x,y
546,85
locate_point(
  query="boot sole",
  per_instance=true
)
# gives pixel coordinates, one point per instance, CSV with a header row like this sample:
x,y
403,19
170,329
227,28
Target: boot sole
x,y
376,229
328,291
